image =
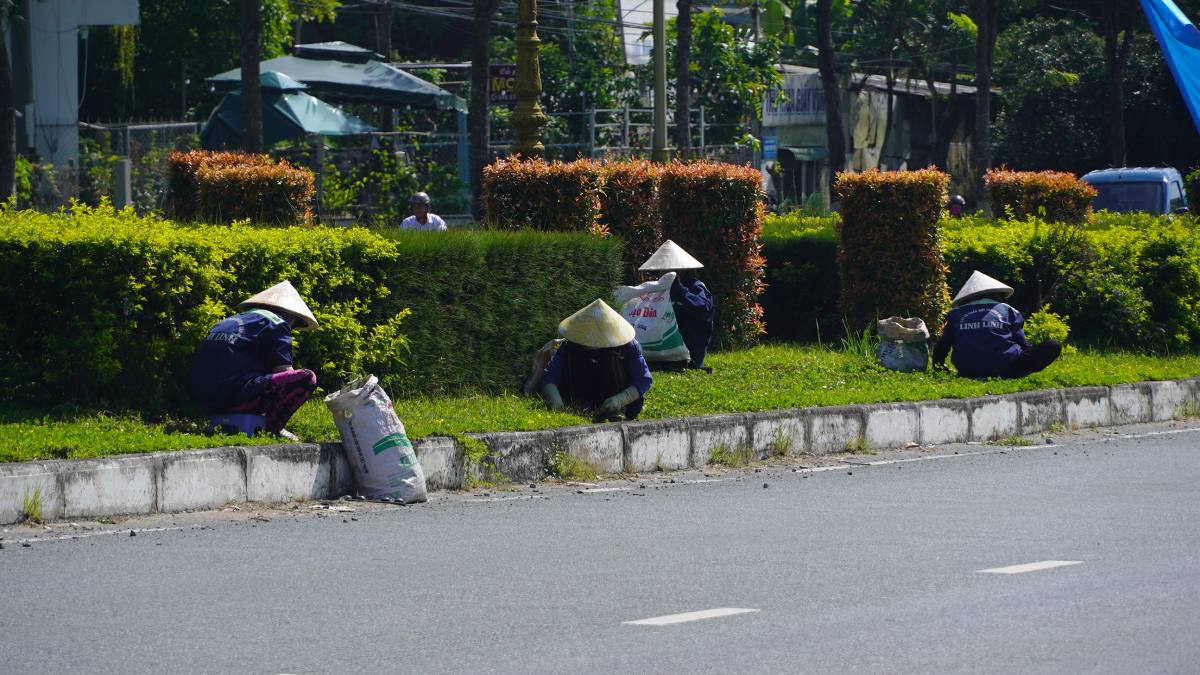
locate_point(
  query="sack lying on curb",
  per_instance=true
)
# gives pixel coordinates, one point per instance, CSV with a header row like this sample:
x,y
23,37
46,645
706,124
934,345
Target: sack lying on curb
x,y
903,344
647,307
377,448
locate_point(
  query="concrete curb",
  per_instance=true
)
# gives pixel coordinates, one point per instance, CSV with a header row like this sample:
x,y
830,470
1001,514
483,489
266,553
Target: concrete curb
x,y
202,479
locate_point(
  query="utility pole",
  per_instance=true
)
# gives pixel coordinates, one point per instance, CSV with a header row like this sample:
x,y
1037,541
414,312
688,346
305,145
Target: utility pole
x,y
383,45
658,152
528,118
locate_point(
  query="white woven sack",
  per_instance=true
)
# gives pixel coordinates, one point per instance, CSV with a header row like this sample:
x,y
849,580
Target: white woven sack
x,y
377,447
647,307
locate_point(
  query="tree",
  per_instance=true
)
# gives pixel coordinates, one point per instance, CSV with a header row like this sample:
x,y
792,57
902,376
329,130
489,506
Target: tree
x,y
484,12
8,125
683,83
145,72
836,139
252,120
985,13
1118,39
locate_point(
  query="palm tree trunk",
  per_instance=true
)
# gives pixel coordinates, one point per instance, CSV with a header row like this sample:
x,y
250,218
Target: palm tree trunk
x,y
833,96
8,126
252,121
986,15
683,76
479,122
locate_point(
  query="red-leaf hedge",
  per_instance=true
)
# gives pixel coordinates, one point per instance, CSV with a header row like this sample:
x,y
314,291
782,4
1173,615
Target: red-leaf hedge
x,y
539,195
1053,196
889,246
227,186
629,210
715,212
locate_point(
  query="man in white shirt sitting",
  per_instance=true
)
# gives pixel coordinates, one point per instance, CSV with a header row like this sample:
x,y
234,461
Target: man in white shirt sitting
x,y
422,219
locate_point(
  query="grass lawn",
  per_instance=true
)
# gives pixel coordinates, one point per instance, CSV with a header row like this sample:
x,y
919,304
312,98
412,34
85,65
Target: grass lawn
x,y
763,378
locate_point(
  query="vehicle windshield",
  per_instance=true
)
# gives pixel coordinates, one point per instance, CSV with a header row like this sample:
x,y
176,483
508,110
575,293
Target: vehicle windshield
x,y
1122,197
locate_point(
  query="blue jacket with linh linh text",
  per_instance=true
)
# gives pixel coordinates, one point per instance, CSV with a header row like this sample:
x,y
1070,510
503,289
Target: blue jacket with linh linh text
x,y
986,337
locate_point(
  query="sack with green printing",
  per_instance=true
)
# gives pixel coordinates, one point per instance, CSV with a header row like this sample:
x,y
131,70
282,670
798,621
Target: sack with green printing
x,y
377,448
648,308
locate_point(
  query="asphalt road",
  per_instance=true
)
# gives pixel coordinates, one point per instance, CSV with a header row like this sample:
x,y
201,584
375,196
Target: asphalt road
x,y
849,569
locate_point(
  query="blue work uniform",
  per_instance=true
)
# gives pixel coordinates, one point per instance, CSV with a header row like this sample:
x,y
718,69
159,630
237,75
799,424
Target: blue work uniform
x,y
695,312
986,337
237,352
586,377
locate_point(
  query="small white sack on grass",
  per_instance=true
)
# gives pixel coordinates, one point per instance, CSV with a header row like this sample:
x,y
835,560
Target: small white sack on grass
x,y
647,307
377,448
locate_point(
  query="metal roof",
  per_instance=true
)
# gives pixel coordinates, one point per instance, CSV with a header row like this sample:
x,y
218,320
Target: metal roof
x,y
912,87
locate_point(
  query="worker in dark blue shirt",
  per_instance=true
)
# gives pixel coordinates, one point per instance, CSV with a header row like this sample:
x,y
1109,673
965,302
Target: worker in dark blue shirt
x,y
599,367
986,337
693,303
245,363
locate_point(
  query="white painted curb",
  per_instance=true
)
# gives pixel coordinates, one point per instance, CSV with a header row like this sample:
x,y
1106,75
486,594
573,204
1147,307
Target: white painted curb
x,y
203,479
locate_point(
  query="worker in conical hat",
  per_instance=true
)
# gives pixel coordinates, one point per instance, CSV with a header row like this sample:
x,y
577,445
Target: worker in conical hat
x,y
599,367
986,337
693,303
245,363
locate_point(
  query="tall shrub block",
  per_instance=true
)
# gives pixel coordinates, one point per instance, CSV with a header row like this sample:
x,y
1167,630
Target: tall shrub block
x,y
540,195
181,176
889,246
715,212
629,210
267,194
1053,196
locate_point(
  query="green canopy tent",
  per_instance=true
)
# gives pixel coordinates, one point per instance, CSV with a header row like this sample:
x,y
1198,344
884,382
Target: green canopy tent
x,y
288,112
371,82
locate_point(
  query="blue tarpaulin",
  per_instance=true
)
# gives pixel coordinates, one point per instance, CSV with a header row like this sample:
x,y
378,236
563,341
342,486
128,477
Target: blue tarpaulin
x,y
1180,42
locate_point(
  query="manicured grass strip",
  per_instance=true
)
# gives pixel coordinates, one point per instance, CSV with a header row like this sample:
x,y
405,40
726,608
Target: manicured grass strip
x,y
762,378
100,435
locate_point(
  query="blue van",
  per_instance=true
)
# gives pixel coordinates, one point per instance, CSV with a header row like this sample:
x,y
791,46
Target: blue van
x,y
1155,190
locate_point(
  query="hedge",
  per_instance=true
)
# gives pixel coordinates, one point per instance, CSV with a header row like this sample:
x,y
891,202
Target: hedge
x,y
712,210
1128,280
629,210
715,212
800,302
112,306
1133,285
889,246
539,195
1053,196
228,186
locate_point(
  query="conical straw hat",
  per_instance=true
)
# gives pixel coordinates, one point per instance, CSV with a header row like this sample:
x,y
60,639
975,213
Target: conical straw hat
x,y
670,256
597,326
980,284
283,297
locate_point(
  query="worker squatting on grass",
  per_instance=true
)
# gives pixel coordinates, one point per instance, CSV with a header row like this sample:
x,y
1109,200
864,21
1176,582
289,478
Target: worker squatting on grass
x,y
245,363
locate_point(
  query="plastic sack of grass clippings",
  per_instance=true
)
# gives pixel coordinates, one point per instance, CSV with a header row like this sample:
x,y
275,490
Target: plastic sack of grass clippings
x,y
377,448
647,307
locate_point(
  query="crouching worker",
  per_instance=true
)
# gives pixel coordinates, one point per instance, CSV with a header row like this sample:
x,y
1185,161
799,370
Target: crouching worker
x,y
692,301
986,336
245,363
599,368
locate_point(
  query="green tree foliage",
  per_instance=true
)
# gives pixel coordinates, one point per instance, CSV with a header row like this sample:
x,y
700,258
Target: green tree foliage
x,y
729,74
1051,74
178,39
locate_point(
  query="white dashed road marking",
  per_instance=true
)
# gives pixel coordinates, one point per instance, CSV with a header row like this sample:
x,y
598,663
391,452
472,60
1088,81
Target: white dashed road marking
x,y
1031,567
690,616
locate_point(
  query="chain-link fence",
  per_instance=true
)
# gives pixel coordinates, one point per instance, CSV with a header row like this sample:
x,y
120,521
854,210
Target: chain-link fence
x,y
145,145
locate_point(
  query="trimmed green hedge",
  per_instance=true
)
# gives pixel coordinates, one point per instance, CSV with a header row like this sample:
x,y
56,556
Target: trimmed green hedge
x,y
801,299
1128,280
107,308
